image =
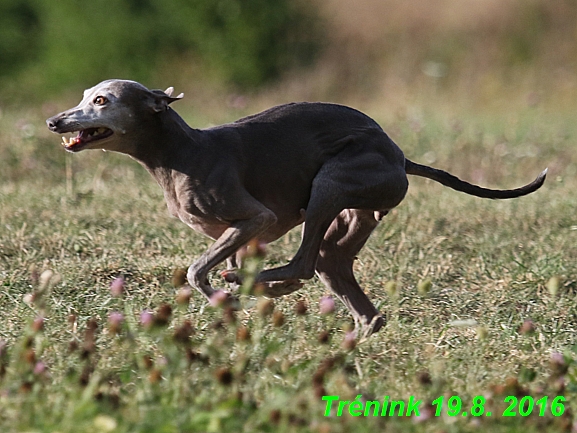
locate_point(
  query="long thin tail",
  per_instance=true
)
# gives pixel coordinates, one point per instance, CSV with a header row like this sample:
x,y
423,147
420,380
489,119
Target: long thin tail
x,y
454,182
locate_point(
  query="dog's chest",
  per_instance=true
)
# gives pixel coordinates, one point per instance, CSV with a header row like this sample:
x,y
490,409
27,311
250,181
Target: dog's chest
x,y
197,220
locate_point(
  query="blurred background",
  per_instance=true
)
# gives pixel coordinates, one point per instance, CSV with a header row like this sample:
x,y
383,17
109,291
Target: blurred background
x,y
471,53
485,87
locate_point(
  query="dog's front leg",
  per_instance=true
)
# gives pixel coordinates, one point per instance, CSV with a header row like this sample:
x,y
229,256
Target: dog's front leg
x,y
234,237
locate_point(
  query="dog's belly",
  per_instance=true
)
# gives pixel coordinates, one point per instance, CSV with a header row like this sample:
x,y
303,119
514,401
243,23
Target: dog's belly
x,y
214,230
282,226
211,229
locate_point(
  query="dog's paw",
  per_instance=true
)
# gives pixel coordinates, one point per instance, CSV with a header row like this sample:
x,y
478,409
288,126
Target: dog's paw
x,y
275,289
230,276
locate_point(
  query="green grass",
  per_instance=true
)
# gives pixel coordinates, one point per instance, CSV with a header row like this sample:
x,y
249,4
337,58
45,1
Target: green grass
x,y
92,217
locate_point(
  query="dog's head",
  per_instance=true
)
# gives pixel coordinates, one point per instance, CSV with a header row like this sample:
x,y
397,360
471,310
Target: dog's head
x,y
111,116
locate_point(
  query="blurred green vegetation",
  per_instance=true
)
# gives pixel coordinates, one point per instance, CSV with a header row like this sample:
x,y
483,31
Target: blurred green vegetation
x,y
46,46
482,50
479,50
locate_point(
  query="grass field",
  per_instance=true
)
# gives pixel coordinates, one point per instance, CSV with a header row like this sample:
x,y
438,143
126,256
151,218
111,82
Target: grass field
x,y
479,296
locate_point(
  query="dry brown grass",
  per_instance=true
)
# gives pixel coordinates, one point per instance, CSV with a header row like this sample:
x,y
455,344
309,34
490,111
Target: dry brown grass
x,y
474,54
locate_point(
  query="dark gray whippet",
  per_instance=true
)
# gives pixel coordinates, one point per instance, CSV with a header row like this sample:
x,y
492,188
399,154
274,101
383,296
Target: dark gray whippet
x,y
326,165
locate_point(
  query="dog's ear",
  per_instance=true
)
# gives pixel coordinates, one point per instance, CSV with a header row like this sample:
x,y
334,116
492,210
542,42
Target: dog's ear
x,y
161,100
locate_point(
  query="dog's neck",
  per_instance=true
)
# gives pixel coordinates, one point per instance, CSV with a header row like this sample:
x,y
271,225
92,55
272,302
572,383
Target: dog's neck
x,y
165,137
166,148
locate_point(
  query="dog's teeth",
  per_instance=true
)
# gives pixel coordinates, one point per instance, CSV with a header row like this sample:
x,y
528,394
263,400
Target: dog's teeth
x,y
64,141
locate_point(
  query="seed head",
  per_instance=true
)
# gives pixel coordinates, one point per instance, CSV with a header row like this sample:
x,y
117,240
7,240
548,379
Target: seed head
x,y
558,365
285,365
92,325
163,314
147,362
146,318
34,275
319,376
84,378
89,343
26,387
38,324
265,307
229,315
319,392
254,248
301,308
115,320
117,287
275,416
224,376
193,356
324,337
218,325
104,423
258,289
424,378
30,356
553,285
243,333
179,277
218,298
527,328
183,295
278,319
349,342
28,342
392,289
424,286
45,278
425,413
512,386
40,368
482,333
327,305
155,375
183,333
72,346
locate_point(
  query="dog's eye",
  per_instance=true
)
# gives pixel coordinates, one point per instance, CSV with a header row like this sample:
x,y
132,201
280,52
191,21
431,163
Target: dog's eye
x,y
100,100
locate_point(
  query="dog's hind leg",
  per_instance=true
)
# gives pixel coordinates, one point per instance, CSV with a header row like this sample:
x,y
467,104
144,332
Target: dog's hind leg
x,y
351,180
342,242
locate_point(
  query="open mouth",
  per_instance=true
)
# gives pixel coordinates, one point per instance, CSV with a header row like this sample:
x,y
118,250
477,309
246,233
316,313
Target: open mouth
x,y
85,137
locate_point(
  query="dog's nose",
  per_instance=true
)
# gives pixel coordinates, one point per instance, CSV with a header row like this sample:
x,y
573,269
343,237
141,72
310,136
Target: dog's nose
x,y
52,123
